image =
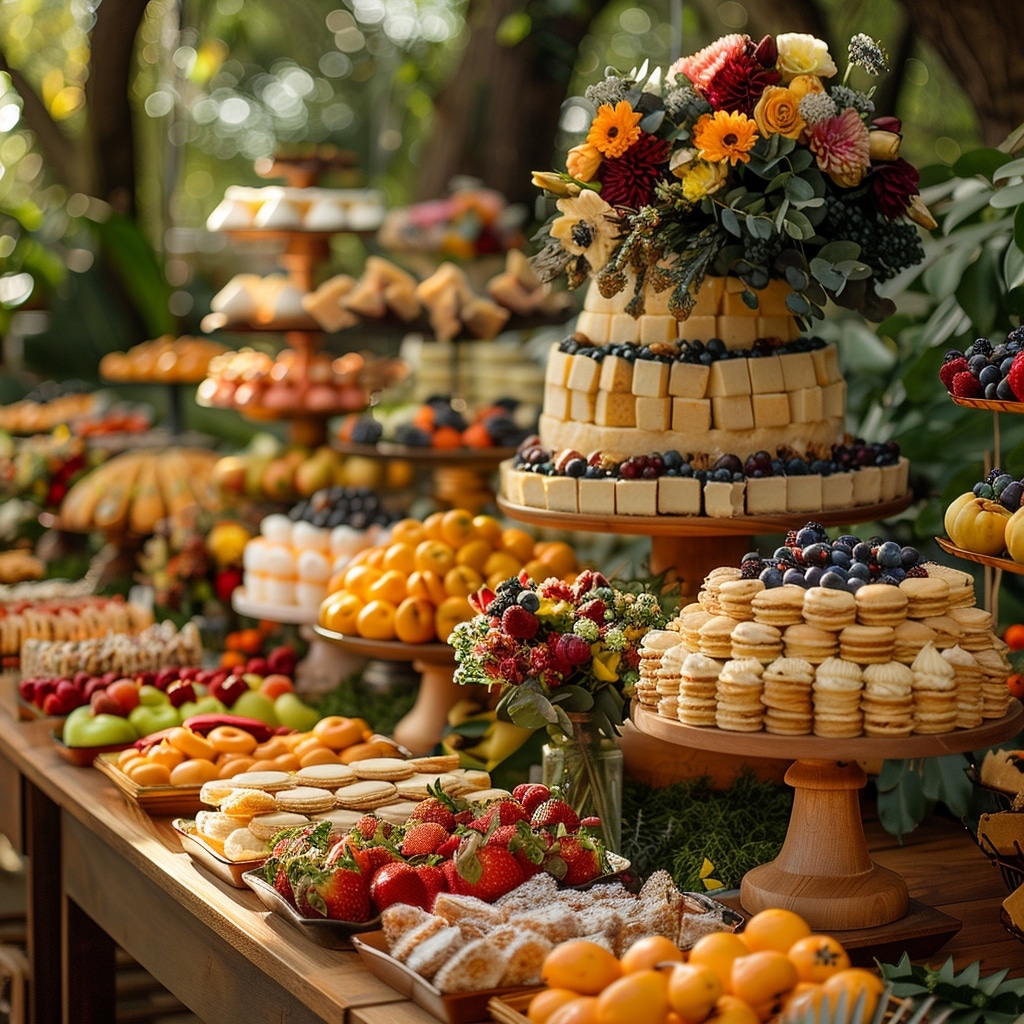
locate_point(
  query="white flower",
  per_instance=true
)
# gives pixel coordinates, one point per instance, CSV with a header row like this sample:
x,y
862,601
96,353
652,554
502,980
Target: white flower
x,y
803,54
588,227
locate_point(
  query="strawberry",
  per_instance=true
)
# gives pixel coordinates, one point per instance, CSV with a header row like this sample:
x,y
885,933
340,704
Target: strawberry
x,y
340,893
518,623
503,835
434,881
434,809
448,847
528,847
591,822
505,812
575,861
368,857
423,839
555,812
1015,378
949,370
487,873
966,385
397,882
369,825
531,795
307,842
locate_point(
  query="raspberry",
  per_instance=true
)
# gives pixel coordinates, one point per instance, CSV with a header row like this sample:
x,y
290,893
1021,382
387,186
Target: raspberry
x,y
949,370
1015,378
966,385
519,623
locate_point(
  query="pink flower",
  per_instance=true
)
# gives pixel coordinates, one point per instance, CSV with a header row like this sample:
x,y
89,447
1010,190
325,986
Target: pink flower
x,y
555,589
700,68
894,184
841,147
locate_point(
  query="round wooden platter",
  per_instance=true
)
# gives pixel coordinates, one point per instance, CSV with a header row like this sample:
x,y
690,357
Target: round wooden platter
x,y
854,748
389,650
990,404
824,871
1006,564
702,526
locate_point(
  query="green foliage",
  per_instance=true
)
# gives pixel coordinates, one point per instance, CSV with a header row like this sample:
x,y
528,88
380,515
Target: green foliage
x,y
680,828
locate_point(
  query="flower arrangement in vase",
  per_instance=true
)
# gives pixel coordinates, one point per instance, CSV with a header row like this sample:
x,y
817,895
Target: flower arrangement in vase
x,y
567,658
744,158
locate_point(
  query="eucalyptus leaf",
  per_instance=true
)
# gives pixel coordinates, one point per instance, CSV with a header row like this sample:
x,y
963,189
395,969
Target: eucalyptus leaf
x,y
573,698
731,222
652,122
799,190
837,252
1004,198
797,304
1009,170
759,227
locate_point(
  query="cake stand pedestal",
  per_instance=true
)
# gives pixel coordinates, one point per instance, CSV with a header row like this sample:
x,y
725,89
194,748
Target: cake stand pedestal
x,y
824,871
324,665
687,548
422,728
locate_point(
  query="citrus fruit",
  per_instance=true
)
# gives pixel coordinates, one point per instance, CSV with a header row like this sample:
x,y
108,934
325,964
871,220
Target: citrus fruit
x,y
693,990
580,965
763,980
817,957
642,995
854,981
648,951
544,1003
717,950
775,928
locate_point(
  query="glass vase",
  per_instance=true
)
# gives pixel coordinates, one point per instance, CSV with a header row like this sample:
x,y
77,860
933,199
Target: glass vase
x,y
587,768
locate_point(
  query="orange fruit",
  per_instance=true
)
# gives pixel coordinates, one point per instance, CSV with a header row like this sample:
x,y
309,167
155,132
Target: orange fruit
x,y
340,611
558,556
717,950
580,1010
693,990
518,543
1014,636
474,553
763,980
1015,684
854,981
434,556
446,437
358,579
426,584
408,531
432,526
400,556
774,928
731,1010
462,580
376,620
450,612
817,957
580,965
457,527
414,620
648,951
544,1003
390,587
503,564
642,995
488,528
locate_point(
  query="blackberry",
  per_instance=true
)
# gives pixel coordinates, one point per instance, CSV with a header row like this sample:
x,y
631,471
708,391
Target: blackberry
x,y
981,347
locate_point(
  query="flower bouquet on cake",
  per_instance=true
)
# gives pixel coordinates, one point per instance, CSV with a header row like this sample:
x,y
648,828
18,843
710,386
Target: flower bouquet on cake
x,y
751,159
567,659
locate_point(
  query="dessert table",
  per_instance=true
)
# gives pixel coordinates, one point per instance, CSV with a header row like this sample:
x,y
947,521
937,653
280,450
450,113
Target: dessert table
x,y
103,873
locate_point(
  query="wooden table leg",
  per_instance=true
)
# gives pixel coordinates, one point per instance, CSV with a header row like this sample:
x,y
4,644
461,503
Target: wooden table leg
x,y
43,918
690,559
90,993
824,871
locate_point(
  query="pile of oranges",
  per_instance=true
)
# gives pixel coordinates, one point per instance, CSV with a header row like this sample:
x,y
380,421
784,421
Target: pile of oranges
x,y
775,969
416,587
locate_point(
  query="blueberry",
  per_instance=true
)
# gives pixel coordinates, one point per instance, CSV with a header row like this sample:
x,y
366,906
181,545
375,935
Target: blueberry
x,y
841,557
859,570
817,554
889,555
833,580
813,575
771,577
794,577
854,583
910,556
528,600
989,375
862,552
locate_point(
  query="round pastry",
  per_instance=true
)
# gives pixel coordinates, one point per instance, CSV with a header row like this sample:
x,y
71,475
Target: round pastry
x,y
829,609
382,768
305,800
213,792
246,803
366,795
809,643
735,597
229,739
716,637
910,637
271,781
242,845
779,606
880,604
756,640
266,826
215,825
926,595
326,776
867,645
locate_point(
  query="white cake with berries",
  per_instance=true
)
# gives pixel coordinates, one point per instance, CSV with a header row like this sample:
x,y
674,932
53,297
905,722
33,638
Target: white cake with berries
x,y
729,412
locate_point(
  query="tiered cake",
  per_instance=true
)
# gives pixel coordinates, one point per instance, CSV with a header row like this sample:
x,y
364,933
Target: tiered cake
x,y
725,413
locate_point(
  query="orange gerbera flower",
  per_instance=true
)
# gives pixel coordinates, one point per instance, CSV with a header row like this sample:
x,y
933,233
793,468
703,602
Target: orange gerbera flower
x,y
725,136
614,129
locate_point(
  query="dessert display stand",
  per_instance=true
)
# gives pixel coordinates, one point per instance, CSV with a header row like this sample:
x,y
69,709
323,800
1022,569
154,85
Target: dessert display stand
x,y
324,665
824,871
687,548
421,729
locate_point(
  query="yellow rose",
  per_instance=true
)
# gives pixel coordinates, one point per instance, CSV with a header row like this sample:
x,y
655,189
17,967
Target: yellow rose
x,y
803,54
884,145
804,85
583,161
778,113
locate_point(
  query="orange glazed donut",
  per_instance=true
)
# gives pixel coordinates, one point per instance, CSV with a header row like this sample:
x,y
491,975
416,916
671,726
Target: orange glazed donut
x,y
147,773
238,763
338,732
192,772
272,748
229,739
191,743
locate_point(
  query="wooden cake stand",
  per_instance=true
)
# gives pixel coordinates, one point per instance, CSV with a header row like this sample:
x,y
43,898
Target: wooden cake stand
x,y
824,871
689,547
421,729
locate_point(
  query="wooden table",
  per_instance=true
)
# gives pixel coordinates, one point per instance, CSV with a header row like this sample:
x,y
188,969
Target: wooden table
x,y
102,872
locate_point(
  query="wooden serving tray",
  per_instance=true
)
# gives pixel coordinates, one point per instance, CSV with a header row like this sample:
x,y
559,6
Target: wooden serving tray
x,y
176,801
455,1008
216,863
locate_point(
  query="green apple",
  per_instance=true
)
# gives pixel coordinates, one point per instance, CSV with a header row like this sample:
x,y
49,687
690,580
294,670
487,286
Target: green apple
x,y
84,729
253,680
253,704
152,696
206,705
150,718
294,712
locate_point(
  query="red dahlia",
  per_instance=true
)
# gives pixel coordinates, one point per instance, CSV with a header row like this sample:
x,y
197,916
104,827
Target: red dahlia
x,y
629,180
894,183
738,85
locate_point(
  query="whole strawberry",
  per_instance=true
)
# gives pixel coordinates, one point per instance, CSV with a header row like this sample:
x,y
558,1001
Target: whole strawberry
x,y
434,809
504,812
487,872
555,812
519,623
369,826
397,882
1015,378
423,839
340,893
434,881
531,795
307,843
575,860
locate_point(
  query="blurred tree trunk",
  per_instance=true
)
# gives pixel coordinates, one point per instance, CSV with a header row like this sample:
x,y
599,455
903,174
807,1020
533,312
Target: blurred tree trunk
x,y
498,116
